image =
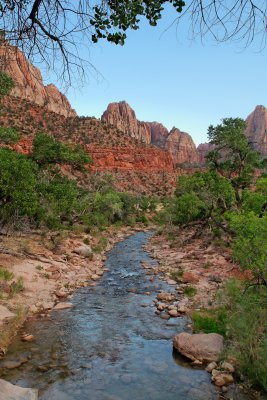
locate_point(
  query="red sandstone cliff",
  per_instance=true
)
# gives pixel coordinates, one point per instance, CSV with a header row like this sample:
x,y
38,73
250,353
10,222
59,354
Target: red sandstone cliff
x,y
29,83
179,144
123,117
181,147
203,149
257,129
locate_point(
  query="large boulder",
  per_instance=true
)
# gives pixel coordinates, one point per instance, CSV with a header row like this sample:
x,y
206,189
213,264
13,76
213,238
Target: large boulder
x,y
204,347
13,392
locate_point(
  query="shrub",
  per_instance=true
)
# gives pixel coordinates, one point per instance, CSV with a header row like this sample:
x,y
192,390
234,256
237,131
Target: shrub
x,y
47,150
5,275
6,84
8,135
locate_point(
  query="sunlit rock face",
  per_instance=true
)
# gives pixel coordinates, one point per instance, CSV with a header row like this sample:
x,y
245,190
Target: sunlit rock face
x,y
257,129
181,147
179,144
123,117
29,82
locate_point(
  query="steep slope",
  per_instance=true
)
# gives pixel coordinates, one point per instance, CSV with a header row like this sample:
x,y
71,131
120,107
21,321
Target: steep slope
x,y
29,83
257,129
179,144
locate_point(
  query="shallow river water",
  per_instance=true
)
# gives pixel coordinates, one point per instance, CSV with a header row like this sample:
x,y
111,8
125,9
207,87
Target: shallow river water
x,y
111,345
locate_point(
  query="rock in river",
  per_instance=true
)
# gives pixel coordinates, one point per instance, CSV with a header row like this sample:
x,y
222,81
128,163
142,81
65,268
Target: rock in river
x,y
13,392
63,306
204,347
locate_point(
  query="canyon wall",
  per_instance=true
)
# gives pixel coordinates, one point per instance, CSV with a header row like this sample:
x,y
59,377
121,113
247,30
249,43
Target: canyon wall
x,y
257,129
179,144
29,84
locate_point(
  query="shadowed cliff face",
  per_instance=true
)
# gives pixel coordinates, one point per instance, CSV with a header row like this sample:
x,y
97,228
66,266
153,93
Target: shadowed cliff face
x,y
179,144
257,129
29,83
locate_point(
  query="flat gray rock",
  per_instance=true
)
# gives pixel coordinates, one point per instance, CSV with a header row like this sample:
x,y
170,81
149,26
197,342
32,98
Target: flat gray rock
x,y
13,392
63,306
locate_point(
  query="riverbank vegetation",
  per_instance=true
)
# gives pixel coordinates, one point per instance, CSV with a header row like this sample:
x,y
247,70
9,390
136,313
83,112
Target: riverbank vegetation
x,y
229,202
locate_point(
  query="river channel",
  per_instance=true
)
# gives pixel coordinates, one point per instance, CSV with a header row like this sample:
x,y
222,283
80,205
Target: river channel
x,y
111,345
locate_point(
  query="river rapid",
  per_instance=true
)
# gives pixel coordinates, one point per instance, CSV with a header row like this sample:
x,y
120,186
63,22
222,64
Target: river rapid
x,y
111,345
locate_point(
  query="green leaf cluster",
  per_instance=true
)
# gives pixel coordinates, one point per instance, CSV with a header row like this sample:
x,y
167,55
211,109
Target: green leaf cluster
x,y
112,21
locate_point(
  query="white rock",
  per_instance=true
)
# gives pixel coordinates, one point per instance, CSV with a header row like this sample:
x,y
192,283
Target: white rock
x,y
13,392
63,306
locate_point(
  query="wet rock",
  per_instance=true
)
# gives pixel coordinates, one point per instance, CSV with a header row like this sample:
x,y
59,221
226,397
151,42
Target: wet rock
x,y
63,306
13,392
173,313
164,296
171,282
27,337
13,364
164,316
42,368
205,347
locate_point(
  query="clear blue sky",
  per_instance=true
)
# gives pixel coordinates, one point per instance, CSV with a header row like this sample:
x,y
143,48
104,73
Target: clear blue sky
x,y
167,78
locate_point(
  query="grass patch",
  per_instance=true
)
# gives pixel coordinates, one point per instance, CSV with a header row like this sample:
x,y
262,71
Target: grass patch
x,y
210,321
17,286
177,275
190,291
5,275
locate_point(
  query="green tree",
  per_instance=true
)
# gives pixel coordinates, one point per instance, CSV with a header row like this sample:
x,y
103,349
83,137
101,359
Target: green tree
x,y
18,181
232,157
203,196
250,244
47,150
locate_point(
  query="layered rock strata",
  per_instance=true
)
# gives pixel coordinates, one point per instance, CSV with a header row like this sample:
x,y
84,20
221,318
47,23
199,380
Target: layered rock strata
x,y
179,144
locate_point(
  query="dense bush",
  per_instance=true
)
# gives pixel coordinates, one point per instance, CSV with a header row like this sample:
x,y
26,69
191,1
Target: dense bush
x,y
18,182
8,135
6,84
47,150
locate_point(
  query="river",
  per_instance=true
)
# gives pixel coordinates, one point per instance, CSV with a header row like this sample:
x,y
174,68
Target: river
x,y
111,345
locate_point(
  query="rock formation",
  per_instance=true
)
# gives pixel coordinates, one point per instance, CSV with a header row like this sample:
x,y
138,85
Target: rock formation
x,y
179,144
123,117
203,149
29,83
257,129
181,147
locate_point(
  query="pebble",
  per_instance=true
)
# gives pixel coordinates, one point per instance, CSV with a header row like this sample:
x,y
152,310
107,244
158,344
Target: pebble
x,y
173,313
